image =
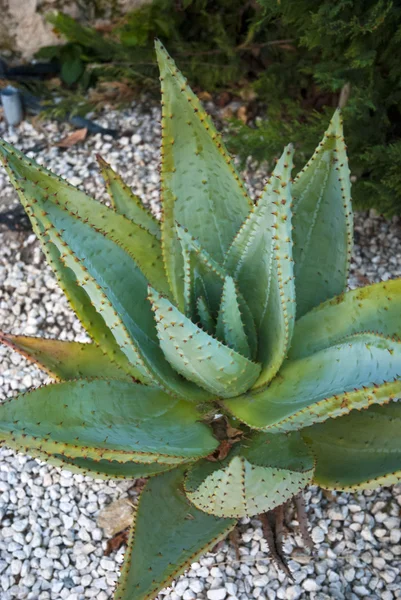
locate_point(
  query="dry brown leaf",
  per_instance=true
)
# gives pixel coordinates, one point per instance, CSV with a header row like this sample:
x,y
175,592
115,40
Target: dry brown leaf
x,y
247,94
227,113
73,138
112,92
139,484
118,540
221,452
233,434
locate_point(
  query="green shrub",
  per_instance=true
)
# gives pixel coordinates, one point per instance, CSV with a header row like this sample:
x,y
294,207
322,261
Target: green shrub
x,y
351,44
310,52
209,36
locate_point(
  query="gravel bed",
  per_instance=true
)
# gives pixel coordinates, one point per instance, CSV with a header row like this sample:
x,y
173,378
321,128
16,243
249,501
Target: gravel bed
x,y
51,546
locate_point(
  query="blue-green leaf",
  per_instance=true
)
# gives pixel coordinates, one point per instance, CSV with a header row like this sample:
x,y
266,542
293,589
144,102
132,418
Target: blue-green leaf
x,y
202,276
206,319
105,419
230,328
262,473
322,219
198,356
260,259
374,308
201,189
205,278
359,451
364,369
103,468
168,534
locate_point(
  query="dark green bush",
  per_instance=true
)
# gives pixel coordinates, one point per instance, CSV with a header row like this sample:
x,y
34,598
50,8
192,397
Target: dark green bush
x,y
300,56
343,48
209,38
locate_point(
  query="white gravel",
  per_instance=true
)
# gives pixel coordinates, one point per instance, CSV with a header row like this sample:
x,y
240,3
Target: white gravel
x,y
50,545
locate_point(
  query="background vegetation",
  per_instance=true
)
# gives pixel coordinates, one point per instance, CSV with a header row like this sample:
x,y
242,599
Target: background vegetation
x,y
300,58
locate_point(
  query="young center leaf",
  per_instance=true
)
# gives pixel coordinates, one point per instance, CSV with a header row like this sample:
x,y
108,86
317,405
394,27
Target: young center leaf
x,y
260,260
198,356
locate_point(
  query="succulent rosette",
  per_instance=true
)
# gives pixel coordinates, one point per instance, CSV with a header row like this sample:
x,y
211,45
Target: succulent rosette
x,y
228,362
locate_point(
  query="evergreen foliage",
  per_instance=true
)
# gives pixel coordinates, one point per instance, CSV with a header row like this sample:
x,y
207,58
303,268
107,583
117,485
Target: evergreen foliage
x,y
211,38
302,58
345,51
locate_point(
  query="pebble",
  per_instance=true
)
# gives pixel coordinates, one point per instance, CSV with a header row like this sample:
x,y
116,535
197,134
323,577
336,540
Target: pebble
x,y
317,535
217,594
310,585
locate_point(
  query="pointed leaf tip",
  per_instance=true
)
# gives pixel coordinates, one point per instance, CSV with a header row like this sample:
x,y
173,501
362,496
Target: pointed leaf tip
x,y
323,221
128,204
200,186
260,260
65,360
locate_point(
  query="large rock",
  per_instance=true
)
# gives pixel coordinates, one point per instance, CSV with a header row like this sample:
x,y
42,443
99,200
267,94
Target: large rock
x,y
23,26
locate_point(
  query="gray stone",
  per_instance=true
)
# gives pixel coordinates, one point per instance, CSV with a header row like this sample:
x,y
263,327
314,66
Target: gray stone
x,y
317,535
310,585
217,594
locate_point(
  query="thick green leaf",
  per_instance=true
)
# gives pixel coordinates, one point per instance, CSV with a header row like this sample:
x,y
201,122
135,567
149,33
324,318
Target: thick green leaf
x,y
105,419
125,202
260,259
65,360
48,189
249,258
359,451
109,277
322,220
112,280
230,328
364,369
82,304
205,278
168,535
265,472
200,186
372,308
105,469
205,317
202,276
198,356
107,271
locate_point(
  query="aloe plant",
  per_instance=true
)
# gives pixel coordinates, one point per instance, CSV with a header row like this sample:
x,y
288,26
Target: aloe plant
x,y
228,364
